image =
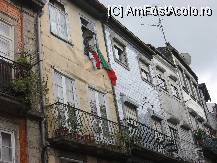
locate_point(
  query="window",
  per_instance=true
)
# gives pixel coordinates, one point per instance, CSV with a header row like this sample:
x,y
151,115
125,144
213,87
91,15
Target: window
x,y
145,72
157,125
88,34
7,149
6,41
182,76
160,79
195,91
130,112
189,87
64,89
119,52
98,107
174,89
58,20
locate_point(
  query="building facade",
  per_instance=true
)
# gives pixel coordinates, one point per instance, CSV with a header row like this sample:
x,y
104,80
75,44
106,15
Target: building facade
x,y
81,116
20,137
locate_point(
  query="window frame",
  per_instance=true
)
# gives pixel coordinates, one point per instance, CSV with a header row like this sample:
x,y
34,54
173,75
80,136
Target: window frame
x,y
64,89
9,38
161,79
63,12
93,30
174,88
117,43
11,133
148,74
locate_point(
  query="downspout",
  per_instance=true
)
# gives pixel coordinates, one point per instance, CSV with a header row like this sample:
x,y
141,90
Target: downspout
x,y
43,132
113,88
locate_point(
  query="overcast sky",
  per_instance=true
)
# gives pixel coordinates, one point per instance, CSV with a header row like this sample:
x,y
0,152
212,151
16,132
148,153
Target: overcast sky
x,y
194,35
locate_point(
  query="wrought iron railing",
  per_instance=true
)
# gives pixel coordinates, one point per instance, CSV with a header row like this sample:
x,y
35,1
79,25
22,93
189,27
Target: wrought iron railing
x,y
78,126
75,125
145,137
9,72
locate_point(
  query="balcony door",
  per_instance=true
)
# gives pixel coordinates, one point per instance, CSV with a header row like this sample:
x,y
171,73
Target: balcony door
x,y
6,53
100,126
64,92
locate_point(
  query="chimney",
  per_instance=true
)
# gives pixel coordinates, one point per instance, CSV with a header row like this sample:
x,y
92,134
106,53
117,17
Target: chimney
x,y
186,57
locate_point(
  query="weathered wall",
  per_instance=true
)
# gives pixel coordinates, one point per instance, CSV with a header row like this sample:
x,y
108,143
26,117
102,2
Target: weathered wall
x,y
71,61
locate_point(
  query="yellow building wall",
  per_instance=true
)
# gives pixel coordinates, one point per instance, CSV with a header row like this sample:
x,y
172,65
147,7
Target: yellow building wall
x,y
71,61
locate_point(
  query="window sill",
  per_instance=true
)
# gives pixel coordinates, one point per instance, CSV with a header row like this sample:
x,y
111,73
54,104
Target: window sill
x,y
122,64
64,40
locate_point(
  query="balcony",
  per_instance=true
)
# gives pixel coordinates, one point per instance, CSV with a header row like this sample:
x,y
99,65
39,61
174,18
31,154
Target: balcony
x,y
159,146
11,71
70,128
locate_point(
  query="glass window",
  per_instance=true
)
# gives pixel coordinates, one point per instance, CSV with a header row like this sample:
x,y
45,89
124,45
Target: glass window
x,y
64,89
174,89
131,112
58,20
157,125
161,79
88,34
6,147
119,53
145,71
6,41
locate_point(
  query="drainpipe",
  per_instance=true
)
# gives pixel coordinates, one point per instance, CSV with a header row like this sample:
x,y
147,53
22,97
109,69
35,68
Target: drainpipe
x,y
43,132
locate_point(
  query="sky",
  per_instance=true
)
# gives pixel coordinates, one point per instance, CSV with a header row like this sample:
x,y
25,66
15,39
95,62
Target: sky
x,y
196,35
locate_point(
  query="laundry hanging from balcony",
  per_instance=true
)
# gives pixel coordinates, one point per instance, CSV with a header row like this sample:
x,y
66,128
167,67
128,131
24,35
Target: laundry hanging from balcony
x,y
99,61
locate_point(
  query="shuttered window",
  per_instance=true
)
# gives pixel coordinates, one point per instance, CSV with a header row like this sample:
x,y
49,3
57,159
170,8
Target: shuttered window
x,y
7,149
58,21
6,41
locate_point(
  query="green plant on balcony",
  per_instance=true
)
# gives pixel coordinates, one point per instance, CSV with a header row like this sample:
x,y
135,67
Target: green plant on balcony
x,y
27,86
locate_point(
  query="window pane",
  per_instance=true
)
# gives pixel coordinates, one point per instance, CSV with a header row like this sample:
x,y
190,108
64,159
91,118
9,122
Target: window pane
x,y
6,139
58,87
6,154
53,19
4,29
70,91
92,97
62,25
131,112
6,147
5,48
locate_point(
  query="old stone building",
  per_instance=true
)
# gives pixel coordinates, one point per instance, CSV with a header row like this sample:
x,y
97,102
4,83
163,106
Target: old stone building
x,y
20,137
81,115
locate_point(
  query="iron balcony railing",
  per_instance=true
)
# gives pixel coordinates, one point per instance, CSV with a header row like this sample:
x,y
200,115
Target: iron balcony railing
x,y
9,72
145,137
78,126
75,125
